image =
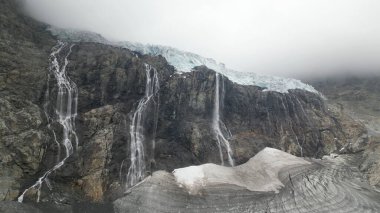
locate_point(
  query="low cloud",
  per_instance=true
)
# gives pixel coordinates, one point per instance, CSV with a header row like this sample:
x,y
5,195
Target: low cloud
x,y
279,37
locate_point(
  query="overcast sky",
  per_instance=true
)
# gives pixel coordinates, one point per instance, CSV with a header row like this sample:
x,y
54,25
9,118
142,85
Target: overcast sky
x,y
281,37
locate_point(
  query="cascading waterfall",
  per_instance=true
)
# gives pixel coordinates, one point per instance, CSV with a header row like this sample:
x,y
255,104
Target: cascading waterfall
x,y
219,127
65,113
136,171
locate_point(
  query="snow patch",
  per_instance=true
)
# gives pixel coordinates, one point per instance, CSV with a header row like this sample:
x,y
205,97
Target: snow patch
x,y
260,173
192,178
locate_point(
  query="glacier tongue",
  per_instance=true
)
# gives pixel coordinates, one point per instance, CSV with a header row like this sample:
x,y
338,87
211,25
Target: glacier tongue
x,y
186,61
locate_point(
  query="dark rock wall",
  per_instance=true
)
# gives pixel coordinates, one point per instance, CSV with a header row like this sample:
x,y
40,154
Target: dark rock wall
x,y
255,118
111,81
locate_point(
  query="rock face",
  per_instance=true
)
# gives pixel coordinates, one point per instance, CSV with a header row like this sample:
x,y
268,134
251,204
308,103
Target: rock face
x,y
328,185
24,50
358,96
297,122
110,82
370,162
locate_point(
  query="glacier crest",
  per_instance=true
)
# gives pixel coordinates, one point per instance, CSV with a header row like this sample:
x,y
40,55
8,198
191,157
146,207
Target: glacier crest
x,y
186,61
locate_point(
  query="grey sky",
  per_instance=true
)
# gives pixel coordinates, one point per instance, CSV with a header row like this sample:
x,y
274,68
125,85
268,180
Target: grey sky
x,y
282,37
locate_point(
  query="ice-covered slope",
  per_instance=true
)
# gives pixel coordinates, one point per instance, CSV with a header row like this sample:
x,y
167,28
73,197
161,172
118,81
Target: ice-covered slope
x,y
186,61
260,173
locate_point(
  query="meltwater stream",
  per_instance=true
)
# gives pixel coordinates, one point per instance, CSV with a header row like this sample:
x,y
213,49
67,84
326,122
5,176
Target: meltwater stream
x,y
136,171
65,113
218,126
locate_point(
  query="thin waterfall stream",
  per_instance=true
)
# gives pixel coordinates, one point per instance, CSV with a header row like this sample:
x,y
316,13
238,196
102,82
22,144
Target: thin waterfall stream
x,y
65,113
136,171
218,126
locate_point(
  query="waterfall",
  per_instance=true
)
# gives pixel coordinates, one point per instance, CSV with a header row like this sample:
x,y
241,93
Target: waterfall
x,y
136,171
65,113
218,126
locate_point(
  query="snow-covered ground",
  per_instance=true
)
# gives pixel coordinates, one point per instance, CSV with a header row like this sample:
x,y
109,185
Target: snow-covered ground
x,y
186,61
260,173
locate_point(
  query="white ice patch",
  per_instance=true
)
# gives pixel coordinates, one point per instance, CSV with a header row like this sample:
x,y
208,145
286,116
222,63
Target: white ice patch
x,y
191,178
260,173
186,61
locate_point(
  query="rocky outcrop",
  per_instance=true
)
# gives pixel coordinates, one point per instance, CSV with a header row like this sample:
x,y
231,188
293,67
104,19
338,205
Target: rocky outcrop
x,y
111,81
369,161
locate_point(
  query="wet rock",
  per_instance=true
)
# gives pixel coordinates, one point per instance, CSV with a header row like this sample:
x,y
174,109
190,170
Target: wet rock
x,y
15,207
297,122
12,207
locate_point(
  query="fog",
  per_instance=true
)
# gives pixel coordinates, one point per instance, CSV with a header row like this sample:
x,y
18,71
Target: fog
x,y
295,38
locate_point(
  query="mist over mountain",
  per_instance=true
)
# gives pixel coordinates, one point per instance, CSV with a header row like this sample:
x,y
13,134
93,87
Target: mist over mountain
x,y
293,38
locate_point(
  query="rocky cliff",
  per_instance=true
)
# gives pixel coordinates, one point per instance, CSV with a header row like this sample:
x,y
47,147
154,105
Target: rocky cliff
x,y
111,81
176,122
25,46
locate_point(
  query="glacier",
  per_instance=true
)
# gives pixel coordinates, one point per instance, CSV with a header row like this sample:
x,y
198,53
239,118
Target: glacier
x,y
185,61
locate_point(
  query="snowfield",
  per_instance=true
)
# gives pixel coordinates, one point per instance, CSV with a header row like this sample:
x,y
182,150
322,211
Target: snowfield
x,y
260,173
